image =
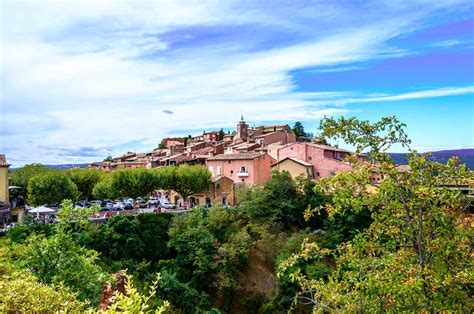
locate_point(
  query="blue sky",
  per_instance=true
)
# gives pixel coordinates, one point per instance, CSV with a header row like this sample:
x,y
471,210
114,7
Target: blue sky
x,y
84,79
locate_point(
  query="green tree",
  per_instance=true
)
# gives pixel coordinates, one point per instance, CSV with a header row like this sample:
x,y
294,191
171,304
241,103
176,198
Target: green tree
x,y
23,293
85,180
21,176
134,182
416,254
221,135
51,188
187,180
298,129
108,159
103,189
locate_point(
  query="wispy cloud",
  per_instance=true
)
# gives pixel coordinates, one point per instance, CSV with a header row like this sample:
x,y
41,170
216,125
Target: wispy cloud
x,y
102,74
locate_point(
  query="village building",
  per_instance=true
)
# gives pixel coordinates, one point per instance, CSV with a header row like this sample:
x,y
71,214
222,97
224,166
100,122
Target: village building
x,y
326,160
296,167
221,192
252,168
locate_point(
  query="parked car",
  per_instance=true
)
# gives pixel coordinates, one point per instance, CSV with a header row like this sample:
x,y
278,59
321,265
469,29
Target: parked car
x,y
169,206
141,204
118,206
127,206
153,201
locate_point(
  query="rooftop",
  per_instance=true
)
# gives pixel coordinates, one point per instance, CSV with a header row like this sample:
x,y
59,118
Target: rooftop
x,y
241,156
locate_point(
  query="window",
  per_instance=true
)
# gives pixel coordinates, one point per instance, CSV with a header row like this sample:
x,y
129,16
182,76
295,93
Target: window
x,y
211,169
228,162
317,174
232,171
310,158
224,200
243,169
332,174
219,170
243,180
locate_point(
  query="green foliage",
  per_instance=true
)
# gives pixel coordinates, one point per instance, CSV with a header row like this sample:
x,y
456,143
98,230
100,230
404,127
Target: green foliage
x,y
108,159
85,180
70,217
133,182
301,135
416,254
21,176
221,135
188,180
103,189
132,301
23,293
20,233
282,200
143,237
59,259
51,188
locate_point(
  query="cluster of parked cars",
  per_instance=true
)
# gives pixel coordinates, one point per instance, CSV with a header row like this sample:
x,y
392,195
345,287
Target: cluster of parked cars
x,y
127,204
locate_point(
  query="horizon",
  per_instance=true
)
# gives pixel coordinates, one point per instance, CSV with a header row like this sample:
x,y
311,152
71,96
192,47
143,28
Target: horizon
x,y
83,80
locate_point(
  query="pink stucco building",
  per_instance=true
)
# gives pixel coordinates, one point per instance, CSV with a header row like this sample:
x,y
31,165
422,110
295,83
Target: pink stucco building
x,y
248,168
326,160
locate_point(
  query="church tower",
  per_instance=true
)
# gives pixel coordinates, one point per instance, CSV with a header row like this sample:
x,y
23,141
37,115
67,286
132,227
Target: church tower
x,y
242,131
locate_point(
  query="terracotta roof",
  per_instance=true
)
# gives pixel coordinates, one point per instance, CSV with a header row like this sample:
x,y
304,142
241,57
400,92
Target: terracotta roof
x,y
302,162
3,161
328,147
241,156
220,177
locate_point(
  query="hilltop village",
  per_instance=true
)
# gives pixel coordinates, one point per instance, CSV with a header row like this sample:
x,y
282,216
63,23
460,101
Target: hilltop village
x,y
245,157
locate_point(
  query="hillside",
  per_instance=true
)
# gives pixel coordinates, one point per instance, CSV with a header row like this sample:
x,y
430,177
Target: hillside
x,y
465,155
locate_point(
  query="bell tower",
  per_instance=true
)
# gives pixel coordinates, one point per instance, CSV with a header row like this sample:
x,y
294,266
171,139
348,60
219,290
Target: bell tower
x,y
242,130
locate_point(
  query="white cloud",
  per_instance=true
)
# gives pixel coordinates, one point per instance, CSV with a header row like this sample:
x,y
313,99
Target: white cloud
x,y
101,73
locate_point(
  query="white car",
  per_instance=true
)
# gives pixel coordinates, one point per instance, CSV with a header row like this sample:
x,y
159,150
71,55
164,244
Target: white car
x,y
153,201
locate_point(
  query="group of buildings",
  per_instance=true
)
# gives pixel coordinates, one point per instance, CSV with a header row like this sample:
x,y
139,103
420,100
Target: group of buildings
x,y
244,157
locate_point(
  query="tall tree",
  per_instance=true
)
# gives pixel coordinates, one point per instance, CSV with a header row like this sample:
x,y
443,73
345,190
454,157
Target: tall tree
x,y
133,182
85,180
189,180
21,176
221,135
298,129
51,188
416,254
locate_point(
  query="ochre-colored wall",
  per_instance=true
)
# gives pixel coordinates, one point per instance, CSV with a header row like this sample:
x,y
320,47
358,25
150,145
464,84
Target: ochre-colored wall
x,y
4,196
295,169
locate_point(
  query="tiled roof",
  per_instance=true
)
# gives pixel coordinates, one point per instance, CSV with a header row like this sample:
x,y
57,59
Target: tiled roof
x,y
302,162
3,161
241,156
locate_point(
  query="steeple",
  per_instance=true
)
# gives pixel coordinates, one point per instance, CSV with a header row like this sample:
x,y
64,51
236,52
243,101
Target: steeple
x,y
242,118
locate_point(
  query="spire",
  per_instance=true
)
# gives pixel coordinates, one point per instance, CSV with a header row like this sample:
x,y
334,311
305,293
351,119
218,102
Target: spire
x,y
242,118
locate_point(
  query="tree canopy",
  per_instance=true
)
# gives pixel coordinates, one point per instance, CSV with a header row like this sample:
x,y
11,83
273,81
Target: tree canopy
x,y
51,188
416,255
85,180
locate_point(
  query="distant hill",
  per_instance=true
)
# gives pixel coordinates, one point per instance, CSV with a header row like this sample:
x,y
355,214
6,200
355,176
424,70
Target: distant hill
x,y
67,166
465,155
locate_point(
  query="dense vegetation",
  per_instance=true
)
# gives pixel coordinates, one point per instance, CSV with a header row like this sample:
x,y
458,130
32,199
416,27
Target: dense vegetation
x,y
340,244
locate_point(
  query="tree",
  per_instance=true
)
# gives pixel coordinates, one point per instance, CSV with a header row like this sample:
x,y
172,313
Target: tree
x,y
21,176
134,182
189,180
85,180
416,254
298,129
221,135
51,188
108,159
103,190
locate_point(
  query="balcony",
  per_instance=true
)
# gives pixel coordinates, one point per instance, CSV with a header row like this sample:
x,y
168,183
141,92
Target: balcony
x,y
243,174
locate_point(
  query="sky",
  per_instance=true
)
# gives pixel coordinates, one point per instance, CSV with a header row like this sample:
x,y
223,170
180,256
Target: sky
x,y
81,80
